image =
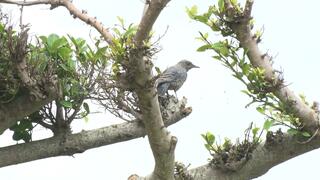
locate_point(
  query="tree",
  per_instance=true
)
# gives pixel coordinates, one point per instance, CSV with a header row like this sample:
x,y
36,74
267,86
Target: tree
x,y
59,93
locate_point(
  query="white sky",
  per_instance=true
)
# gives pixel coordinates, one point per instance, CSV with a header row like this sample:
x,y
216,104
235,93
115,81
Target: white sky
x,y
291,32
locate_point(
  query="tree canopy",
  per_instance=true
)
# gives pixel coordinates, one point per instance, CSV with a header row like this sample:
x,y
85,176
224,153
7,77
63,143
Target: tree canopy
x,y
54,80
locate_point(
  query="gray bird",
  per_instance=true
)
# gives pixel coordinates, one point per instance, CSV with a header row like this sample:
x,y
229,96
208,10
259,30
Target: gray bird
x,y
173,77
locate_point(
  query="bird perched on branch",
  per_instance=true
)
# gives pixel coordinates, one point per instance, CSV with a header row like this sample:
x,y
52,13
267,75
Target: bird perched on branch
x,y
173,77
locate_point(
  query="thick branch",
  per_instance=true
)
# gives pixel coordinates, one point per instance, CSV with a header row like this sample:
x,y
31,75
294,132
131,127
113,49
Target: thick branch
x,y
76,13
80,142
305,113
243,33
263,158
32,95
19,108
161,142
148,19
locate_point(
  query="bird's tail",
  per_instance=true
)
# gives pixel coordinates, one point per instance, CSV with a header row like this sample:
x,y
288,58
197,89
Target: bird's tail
x,y
162,89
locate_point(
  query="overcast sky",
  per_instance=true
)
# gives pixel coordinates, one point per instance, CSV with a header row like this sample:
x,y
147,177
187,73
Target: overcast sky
x,y
291,33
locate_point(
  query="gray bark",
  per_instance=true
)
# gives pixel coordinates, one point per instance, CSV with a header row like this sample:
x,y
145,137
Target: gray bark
x,y
70,144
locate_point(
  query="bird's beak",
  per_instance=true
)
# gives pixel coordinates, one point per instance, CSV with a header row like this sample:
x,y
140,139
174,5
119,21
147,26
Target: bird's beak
x,y
194,66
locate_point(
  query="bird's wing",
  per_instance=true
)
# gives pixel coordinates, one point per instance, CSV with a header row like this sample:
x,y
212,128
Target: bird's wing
x,y
168,75
163,82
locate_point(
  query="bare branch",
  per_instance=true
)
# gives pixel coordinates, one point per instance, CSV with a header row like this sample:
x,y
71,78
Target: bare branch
x,y
76,13
154,8
248,8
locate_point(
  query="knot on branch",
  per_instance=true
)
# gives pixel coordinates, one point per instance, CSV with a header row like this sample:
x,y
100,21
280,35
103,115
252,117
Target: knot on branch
x,y
233,156
56,3
170,105
274,138
181,171
134,177
139,66
20,52
71,150
229,156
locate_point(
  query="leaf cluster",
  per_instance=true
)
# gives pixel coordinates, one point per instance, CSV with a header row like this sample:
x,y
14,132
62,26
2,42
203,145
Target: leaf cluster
x,y
234,57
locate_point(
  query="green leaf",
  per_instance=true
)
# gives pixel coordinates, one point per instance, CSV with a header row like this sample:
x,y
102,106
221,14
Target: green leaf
x,y
86,107
246,69
51,39
131,31
261,109
78,43
306,134
44,39
25,124
234,62
216,57
64,53
66,104
58,43
221,48
234,2
202,19
1,27
120,19
268,124
64,67
251,76
117,32
221,5
246,92
209,138
255,131
22,130
86,119
42,65
27,137
204,36
213,25
292,132
115,68
158,70
73,40
18,135
208,147
100,52
238,75
204,48
192,12
71,64
227,143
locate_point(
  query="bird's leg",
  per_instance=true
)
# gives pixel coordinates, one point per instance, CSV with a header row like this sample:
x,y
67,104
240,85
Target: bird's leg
x,y
176,96
167,95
